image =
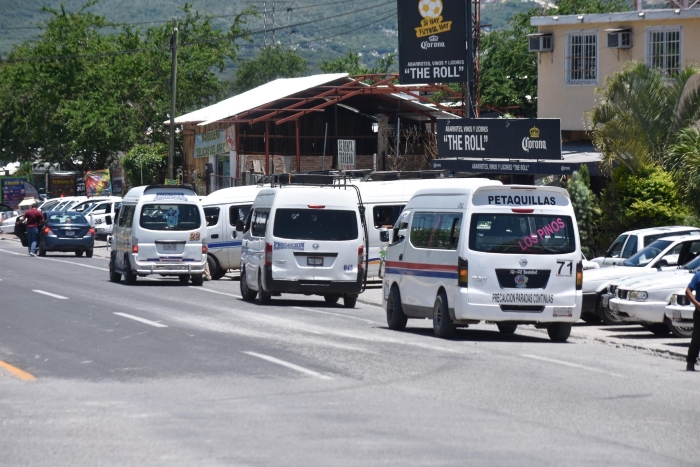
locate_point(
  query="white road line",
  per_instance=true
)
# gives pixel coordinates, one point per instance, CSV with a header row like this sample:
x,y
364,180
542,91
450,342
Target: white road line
x,y
141,320
14,253
71,262
291,366
336,314
61,297
569,364
213,291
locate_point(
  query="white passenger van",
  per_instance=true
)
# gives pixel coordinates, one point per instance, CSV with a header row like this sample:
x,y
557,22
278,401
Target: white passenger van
x,y
504,254
222,209
160,229
101,215
304,240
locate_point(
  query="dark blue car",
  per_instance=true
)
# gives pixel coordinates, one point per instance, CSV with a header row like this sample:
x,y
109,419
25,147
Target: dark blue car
x,y
66,231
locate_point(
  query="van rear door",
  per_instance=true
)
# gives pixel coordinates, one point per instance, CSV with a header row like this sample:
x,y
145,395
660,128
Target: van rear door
x,y
234,239
215,232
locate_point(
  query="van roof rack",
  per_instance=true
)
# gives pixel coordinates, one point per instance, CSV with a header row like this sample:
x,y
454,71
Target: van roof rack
x,y
405,175
189,187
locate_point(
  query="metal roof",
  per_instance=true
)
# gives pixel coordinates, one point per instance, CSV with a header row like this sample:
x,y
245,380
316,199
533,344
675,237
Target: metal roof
x,y
657,15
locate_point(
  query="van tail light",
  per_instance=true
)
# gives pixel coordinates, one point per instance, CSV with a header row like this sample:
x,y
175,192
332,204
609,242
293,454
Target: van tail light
x,y
579,275
360,257
462,272
316,206
134,245
268,254
48,231
91,232
204,248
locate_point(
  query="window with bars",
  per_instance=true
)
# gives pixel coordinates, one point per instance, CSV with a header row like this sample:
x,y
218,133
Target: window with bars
x,y
663,49
582,57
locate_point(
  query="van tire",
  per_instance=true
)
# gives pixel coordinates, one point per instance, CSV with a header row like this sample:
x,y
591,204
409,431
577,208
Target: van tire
x,y
443,326
559,332
184,279
658,329
129,276
197,279
113,275
214,269
263,298
507,328
396,319
349,301
331,299
247,294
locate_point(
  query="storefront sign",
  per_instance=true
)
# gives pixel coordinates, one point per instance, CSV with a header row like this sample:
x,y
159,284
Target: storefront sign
x,y
500,138
62,185
214,142
117,180
98,183
432,41
532,168
12,191
346,154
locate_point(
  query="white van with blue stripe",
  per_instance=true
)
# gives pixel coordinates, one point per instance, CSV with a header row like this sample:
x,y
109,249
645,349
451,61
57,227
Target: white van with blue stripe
x,y
508,255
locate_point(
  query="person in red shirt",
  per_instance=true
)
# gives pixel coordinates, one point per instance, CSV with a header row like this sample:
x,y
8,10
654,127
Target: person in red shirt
x,y
34,219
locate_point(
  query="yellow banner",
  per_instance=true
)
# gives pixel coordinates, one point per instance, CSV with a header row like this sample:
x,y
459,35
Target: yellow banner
x,y
430,26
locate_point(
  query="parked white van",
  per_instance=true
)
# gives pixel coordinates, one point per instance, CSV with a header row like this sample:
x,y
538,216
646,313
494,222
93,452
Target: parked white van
x,y
504,254
304,240
222,209
101,215
160,229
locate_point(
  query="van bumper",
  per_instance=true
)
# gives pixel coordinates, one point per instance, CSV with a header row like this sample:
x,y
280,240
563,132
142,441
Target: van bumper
x,y
169,268
503,312
311,286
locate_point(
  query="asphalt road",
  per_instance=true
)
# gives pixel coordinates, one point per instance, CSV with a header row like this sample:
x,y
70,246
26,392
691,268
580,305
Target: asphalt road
x,y
96,373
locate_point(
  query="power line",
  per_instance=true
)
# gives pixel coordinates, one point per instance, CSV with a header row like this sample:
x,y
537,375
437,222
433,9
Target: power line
x,y
347,32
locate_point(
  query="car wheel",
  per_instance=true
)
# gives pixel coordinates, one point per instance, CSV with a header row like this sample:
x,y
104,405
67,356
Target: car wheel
x,y
507,328
658,329
113,275
263,297
681,331
396,319
606,316
184,279
42,251
79,253
247,294
88,253
331,298
349,301
559,332
442,322
129,276
197,279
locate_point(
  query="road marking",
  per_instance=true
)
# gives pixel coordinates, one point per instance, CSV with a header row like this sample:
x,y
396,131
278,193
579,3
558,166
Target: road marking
x,y
336,314
291,366
12,252
213,291
141,320
61,297
16,372
572,365
71,262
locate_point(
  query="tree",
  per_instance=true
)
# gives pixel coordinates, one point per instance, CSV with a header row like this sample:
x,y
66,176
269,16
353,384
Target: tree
x,y
145,164
271,63
586,208
684,159
350,64
640,113
82,92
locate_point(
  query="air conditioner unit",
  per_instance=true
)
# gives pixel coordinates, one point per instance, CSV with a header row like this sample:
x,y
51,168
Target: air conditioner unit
x,y
620,39
541,43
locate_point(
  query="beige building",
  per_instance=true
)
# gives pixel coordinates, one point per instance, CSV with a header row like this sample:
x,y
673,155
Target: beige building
x,y
577,53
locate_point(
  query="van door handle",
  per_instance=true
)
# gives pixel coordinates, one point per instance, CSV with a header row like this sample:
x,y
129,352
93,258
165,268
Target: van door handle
x,y
234,235
215,236
401,257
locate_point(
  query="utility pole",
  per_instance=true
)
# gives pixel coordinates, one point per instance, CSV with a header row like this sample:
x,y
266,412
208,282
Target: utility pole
x,y
469,91
173,88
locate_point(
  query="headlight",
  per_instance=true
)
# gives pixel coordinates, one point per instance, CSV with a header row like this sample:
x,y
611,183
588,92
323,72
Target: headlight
x,y
681,300
638,296
612,288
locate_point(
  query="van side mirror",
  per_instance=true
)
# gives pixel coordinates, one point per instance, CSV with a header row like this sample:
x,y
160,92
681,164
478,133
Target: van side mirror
x,y
384,235
239,225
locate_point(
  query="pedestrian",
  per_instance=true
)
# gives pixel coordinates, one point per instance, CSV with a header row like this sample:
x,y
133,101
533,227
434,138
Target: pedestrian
x,y
694,348
34,219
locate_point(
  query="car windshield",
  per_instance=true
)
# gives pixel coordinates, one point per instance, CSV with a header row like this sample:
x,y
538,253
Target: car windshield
x,y
643,258
66,218
316,224
159,216
522,233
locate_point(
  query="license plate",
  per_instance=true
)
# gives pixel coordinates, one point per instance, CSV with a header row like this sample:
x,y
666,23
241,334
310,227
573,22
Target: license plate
x,y
169,247
676,315
314,261
70,233
563,312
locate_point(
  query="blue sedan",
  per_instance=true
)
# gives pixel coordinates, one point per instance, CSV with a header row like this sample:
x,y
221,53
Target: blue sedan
x,y
66,231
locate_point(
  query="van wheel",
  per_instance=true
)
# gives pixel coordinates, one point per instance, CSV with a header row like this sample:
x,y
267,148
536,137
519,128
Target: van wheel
x,y
113,275
331,299
247,294
559,332
349,301
507,328
214,269
79,253
442,322
263,298
396,319
197,279
129,276
184,279
658,329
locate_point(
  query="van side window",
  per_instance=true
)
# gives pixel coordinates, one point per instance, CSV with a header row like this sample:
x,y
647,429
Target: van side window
x,y
436,230
129,214
246,223
260,222
238,213
124,213
212,216
385,216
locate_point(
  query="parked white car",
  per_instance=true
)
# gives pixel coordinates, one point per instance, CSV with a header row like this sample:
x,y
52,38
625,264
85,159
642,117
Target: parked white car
x,y
633,241
680,311
663,254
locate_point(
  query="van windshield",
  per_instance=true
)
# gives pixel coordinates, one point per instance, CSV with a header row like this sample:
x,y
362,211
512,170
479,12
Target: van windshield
x,y
179,217
315,224
522,233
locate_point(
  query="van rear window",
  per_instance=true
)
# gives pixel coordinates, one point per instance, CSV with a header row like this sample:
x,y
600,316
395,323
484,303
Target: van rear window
x,y
316,224
170,217
522,233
